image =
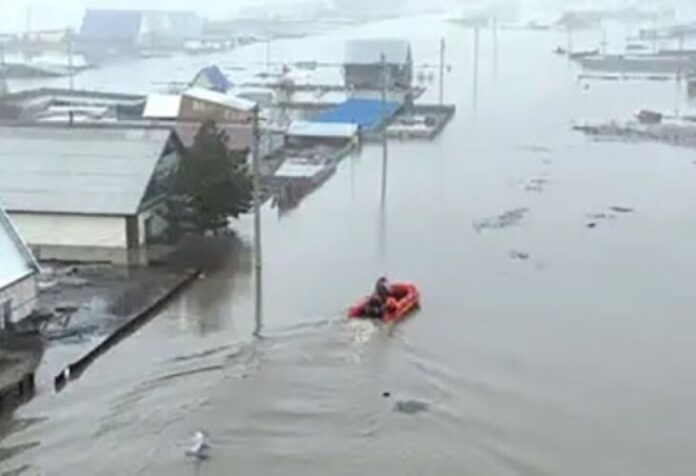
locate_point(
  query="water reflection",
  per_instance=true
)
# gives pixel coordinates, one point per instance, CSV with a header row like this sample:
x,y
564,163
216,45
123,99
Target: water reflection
x,y
206,309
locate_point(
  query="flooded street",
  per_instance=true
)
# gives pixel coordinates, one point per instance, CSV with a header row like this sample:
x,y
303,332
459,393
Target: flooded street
x,y
556,335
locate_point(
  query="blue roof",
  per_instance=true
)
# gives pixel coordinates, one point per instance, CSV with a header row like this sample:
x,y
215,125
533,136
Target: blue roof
x,y
366,113
217,79
112,24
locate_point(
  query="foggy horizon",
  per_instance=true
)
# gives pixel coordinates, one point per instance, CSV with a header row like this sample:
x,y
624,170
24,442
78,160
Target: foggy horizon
x,y
49,14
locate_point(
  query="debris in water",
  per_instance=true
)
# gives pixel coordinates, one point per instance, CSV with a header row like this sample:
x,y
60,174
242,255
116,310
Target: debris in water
x,y
536,148
411,407
621,209
591,225
519,255
386,394
200,449
509,218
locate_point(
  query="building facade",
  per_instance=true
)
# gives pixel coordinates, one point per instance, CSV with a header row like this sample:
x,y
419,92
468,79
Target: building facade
x,y
363,67
18,275
86,193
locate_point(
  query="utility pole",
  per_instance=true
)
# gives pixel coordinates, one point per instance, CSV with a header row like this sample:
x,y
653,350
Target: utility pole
x,y
384,130
476,67
255,159
495,45
71,65
442,71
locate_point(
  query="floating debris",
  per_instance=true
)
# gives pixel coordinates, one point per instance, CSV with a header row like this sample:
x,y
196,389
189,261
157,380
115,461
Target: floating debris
x,y
621,209
507,219
200,449
519,255
591,225
411,407
536,148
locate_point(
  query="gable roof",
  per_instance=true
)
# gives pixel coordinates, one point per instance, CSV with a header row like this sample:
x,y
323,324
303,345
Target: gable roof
x,y
371,51
111,24
221,99
17,261
90,171
216,79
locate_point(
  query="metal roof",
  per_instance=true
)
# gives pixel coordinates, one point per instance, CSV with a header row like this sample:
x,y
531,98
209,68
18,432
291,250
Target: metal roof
x,y
16,261
371,51
93,171
162,106
214,77
220,98
365,113
322,129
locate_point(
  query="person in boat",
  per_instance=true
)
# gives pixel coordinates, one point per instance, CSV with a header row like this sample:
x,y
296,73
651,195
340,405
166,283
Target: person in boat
x,y
382,289
377,305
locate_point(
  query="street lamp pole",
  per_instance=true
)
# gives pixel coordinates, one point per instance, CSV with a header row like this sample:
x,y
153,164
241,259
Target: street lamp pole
x,y
385,151
256,169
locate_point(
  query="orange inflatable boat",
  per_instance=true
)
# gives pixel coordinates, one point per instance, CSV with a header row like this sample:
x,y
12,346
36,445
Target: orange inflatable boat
x,y
403,299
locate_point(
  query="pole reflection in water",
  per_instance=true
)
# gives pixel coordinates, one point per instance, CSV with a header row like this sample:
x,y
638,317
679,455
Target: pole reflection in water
x,y
475,70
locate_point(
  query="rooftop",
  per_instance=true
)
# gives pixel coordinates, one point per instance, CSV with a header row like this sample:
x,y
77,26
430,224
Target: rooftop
x,y
91,171
214,76
220,98
368,114
17,261
371,51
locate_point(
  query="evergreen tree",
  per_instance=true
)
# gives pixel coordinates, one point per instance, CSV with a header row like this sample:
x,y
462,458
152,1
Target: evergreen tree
x,y
213,181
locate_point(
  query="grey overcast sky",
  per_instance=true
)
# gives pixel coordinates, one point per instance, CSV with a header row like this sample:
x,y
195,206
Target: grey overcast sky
x,y
61,13
58,13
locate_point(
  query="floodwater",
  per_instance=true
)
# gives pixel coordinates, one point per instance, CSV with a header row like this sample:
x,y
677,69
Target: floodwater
x,y
557,339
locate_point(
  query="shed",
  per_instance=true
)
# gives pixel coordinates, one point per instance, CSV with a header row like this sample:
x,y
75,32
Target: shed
x,y
18,271
363,64
86,193
366,114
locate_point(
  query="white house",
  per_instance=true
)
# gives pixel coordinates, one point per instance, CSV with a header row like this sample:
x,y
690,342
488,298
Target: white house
x,y
88,193
18,271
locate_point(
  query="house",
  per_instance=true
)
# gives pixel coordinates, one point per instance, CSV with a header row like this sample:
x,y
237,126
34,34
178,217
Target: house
x,y
363,65
18,274
199,104
88,193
